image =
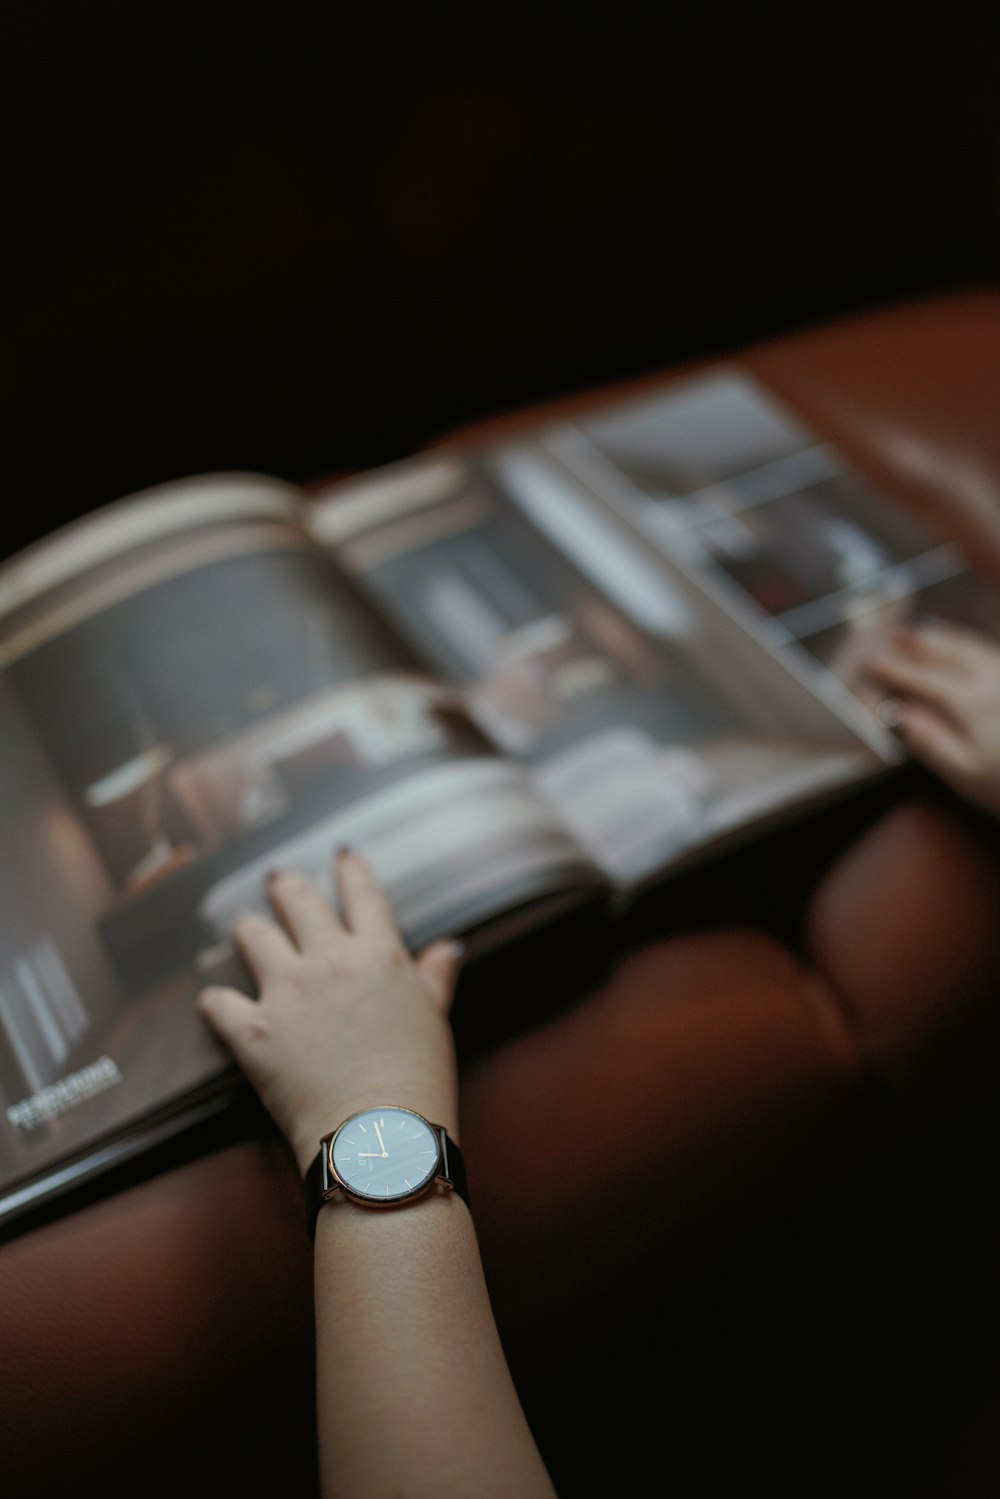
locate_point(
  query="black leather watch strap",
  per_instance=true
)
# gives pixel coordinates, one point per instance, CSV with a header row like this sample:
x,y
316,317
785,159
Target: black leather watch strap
x,y
452,1170
454,1165
314,1191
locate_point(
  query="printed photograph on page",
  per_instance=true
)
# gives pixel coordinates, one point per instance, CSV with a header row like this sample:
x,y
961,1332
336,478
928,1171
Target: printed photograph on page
x,y
191,711
647,720
719,475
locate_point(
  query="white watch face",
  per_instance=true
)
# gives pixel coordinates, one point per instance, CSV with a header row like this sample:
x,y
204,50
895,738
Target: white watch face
x,y
383,1155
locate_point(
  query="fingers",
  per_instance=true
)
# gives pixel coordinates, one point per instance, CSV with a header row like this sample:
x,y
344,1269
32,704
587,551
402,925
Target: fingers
x,y
264,947
941,644
305,912
228,1013
308,920
927,643
913,679
439,965
367,909
939,743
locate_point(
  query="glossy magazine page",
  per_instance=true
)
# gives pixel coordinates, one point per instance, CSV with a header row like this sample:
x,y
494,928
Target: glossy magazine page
x,y
192,694
775,524
650,719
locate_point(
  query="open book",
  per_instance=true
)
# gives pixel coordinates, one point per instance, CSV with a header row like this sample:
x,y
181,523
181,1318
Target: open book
x,y
521,678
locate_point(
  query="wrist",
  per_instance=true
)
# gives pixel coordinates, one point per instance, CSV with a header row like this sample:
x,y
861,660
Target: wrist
x,y
305,1146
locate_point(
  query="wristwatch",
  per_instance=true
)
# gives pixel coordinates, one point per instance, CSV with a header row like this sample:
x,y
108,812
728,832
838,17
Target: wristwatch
x,y
383,1157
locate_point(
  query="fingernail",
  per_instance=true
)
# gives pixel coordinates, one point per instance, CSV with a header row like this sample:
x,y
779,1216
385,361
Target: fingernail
x,y
889,713
272,874
456,950
344,849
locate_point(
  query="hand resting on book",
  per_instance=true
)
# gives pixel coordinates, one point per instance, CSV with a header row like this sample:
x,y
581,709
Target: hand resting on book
x,y
943,683
345,1017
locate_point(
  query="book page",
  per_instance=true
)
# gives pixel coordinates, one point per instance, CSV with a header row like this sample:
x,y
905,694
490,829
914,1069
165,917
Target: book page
x,y
192,697
646,718
720,477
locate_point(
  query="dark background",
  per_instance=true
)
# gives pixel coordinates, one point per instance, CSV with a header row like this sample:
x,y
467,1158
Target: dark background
x,y
308,238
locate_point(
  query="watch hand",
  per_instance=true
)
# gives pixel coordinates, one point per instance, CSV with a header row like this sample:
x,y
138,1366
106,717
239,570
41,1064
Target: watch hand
x,y
380,1140
377,1154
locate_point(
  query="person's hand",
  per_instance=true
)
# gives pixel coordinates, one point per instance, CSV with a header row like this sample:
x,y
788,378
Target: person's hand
x,y
860,638
941,695
346,1018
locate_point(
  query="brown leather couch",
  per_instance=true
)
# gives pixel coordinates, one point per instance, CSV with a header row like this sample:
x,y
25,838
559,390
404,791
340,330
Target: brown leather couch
x,y
754,1049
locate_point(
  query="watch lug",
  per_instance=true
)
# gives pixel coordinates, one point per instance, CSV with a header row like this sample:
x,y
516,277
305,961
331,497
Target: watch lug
x,y
328,1182
445,1171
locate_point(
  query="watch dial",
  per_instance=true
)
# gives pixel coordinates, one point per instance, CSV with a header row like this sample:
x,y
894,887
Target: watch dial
x,y
385,1154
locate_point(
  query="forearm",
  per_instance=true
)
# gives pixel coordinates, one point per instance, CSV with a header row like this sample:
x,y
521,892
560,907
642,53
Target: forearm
x,y
415,1397
414,1393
